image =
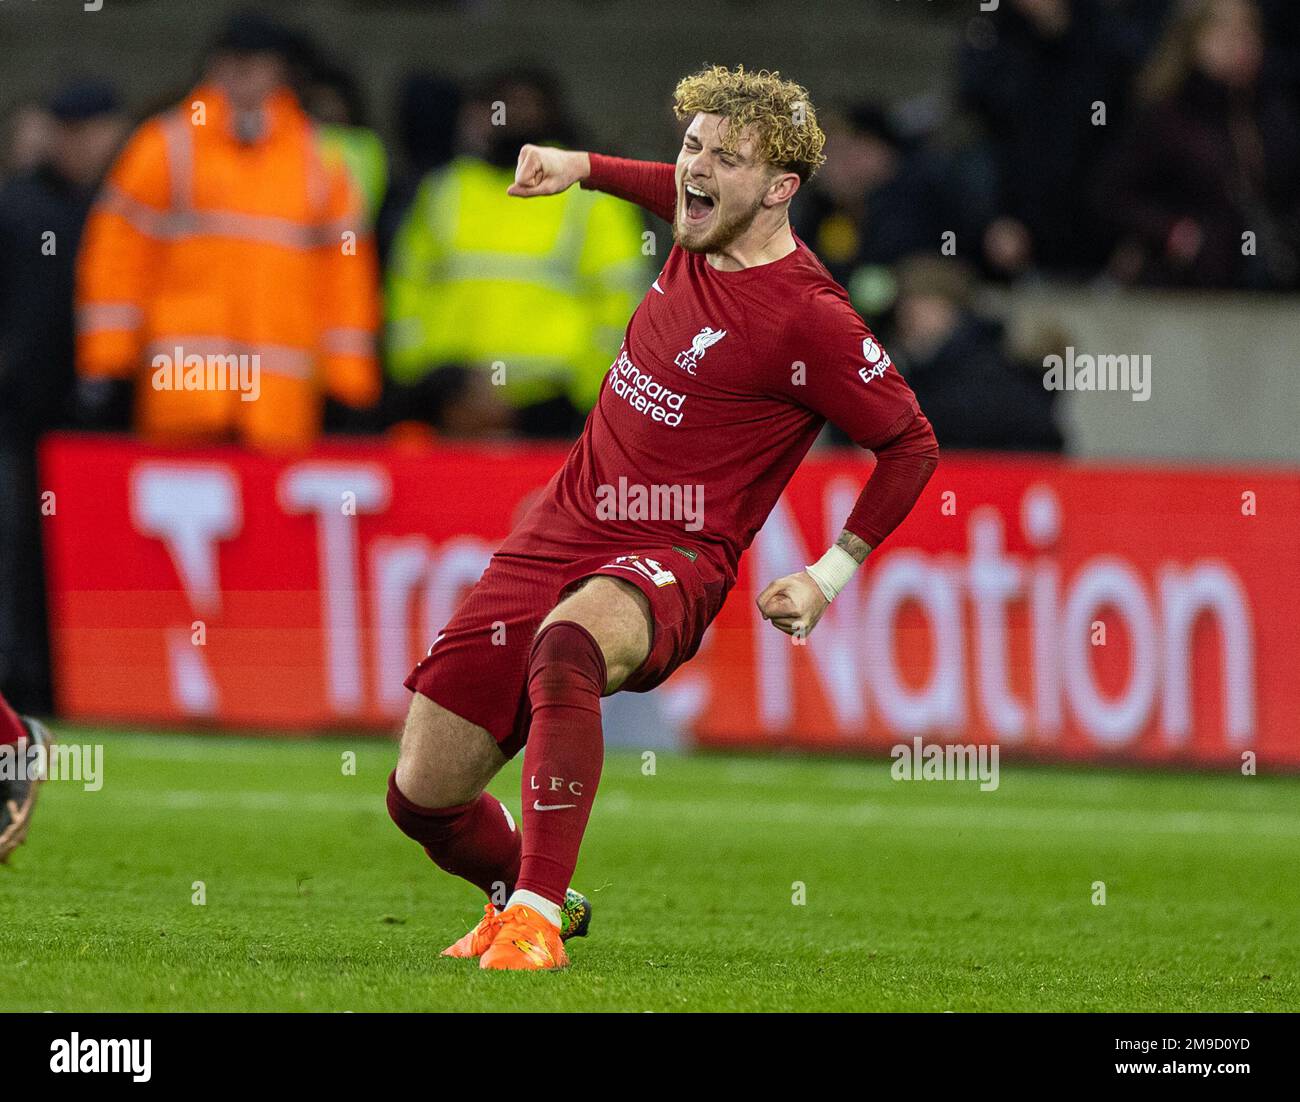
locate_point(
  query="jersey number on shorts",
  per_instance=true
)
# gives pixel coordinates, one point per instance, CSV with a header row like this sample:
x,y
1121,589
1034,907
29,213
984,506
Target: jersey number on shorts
x,y
651,568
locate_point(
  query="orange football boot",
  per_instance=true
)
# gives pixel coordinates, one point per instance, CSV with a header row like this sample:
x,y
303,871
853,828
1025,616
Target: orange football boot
x,y
525,942
575,921
475,943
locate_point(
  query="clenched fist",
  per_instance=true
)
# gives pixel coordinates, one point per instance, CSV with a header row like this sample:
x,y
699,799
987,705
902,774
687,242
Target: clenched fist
x,y
794,603
545,171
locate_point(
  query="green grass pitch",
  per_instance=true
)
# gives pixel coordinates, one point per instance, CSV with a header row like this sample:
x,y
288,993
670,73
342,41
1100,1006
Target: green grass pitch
x,y
918,895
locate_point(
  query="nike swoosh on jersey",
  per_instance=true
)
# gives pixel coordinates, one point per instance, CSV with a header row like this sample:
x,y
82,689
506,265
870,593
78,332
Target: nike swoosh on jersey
x,y
538,806
656,286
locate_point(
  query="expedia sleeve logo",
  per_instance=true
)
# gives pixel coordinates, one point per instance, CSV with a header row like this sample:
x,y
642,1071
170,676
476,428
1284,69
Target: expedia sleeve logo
x,y
877,358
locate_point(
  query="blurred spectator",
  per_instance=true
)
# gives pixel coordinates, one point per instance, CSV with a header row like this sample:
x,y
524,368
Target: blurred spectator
x,y
877,199
333,98
1031,72
28,139
427,112
955,361
42,212
536,295
1136,27
1213,152
1282,34
457,402
428,107
221,233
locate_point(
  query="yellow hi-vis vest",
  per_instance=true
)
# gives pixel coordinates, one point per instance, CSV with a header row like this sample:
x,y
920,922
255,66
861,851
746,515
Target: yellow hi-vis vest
x,y
362,154
538,292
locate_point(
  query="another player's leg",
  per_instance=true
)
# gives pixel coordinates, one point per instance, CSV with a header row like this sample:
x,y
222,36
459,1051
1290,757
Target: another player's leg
x,y
590,643
19,737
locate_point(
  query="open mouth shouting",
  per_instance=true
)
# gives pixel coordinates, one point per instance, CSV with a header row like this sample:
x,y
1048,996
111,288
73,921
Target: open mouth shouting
x,y
699,205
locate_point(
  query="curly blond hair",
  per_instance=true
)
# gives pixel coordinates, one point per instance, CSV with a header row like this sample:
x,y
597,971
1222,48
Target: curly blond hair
x,y
786,133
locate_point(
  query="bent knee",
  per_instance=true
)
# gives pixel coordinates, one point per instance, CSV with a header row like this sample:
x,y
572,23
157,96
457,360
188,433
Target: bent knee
x,y
616,614
428,786
566,667
444,760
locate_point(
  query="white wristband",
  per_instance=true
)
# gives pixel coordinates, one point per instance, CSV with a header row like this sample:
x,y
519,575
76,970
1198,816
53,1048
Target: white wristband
x,y
832,571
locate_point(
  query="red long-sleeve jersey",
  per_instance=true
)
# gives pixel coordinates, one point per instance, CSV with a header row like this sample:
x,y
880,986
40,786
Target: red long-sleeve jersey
x,y
723,382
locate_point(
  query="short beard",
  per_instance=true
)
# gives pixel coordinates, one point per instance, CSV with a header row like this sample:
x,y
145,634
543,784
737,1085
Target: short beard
x,y
723,234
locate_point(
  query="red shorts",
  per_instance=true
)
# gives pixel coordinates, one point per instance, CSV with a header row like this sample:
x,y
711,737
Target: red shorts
x,y
477,667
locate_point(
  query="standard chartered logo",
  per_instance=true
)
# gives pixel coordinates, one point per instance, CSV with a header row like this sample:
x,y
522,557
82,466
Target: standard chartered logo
x,y
648,397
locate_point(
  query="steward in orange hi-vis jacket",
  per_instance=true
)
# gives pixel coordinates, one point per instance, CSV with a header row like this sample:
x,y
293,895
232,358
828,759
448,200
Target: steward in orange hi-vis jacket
x,y
229,274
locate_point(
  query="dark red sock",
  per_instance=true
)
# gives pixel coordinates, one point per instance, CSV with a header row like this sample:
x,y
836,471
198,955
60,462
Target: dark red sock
x,y
11,728
562,760
476,841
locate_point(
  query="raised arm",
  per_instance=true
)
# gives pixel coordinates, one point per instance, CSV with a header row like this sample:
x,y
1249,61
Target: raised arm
x,y
649,184
545,171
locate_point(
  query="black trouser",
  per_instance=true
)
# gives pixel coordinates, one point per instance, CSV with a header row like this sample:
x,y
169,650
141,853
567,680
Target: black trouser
x,y
24,636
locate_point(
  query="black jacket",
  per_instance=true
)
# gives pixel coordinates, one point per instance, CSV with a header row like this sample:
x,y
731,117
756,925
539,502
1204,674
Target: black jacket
x,y
37,334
